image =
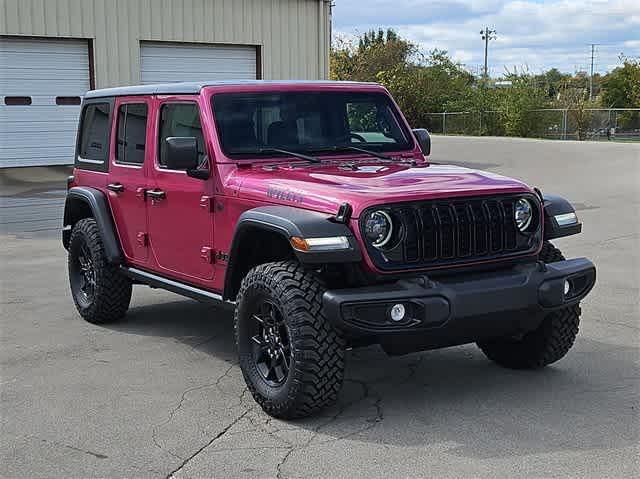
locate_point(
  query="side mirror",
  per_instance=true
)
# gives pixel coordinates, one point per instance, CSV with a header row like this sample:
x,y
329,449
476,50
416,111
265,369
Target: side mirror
x,y
180,153
424,140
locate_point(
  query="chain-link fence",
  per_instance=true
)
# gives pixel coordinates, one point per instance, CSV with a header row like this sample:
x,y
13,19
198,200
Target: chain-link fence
x,y
613,124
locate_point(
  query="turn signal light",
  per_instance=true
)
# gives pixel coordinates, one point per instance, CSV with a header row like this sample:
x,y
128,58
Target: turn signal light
x,y
331,243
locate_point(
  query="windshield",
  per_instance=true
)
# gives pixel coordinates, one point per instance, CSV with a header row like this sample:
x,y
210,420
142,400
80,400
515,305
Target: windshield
x,y
256,124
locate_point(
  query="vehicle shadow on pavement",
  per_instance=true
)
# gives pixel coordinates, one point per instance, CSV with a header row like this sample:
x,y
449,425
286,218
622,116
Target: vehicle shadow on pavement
x,y
201,326
454,398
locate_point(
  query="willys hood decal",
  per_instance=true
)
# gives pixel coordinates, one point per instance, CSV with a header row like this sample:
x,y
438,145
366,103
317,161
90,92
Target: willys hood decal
x,y
326,187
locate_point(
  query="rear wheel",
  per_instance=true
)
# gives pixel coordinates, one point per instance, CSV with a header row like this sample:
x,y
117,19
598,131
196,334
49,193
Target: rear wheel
x,y
291,358
100,291
545,345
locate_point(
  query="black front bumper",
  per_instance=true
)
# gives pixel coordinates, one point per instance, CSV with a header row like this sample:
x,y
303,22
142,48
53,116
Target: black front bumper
x,y
459,309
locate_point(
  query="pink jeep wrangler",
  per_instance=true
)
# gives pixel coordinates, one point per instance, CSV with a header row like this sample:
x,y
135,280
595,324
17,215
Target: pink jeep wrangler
x,y
311,207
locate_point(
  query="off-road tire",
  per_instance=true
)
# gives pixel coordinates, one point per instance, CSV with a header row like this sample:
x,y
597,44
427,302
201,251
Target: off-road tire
x,y
112,292
317,363
546,344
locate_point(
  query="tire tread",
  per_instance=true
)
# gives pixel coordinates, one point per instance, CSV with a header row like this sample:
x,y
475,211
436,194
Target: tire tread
x,y
113,289
549,343
318,349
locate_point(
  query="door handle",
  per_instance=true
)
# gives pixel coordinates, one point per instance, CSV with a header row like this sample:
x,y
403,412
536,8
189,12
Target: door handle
x,y
155,194
117,187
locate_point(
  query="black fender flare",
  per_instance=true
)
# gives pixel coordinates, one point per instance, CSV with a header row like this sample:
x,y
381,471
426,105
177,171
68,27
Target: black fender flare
x,y
100,211
555,205
288,221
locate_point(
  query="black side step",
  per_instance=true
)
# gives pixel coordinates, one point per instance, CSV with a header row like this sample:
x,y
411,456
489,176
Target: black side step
x,y
174,286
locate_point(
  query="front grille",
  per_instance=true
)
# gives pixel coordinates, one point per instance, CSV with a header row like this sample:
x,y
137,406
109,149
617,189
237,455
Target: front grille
x,y
454,231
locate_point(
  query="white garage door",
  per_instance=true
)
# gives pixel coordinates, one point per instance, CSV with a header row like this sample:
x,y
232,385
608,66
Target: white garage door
x,y
174,62
41,84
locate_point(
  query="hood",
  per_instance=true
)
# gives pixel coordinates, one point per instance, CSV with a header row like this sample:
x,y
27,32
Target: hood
x,y
325,187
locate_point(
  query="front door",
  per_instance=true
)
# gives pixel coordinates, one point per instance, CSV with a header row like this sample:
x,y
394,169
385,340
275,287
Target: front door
x,y
128,177
180,220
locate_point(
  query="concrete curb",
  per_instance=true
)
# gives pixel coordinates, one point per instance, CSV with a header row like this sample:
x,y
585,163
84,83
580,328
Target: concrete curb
x,y
15,181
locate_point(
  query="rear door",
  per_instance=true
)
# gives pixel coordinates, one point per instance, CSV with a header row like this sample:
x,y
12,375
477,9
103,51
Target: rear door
x,y
128,176
180,220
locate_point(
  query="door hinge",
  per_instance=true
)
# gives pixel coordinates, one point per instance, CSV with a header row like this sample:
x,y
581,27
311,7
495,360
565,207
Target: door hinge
x,y
207,203
143,238
206,253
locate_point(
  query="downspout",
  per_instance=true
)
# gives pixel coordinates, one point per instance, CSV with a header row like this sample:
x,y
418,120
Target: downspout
x,y
323,52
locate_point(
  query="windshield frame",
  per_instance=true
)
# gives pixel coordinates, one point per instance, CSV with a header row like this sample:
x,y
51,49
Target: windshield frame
x,y
409,146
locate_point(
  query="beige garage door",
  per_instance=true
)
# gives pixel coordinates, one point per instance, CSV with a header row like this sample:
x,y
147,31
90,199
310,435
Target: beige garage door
x,y
174,62
41,84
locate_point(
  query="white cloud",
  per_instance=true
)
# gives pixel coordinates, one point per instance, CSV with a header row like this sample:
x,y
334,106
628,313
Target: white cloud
x,y
538,34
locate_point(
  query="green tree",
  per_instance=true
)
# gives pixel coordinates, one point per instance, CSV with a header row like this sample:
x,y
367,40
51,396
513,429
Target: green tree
x,y
579,113
552,81
516,103
621,89
426,87
374,52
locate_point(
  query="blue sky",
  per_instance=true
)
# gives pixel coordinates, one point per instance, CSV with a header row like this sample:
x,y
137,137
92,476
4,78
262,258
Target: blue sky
x,y
532,34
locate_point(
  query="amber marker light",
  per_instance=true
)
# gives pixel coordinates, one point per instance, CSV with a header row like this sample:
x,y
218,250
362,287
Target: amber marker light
x,y
331,243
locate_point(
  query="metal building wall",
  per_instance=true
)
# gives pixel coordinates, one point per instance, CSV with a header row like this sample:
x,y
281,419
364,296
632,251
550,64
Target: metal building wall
x,y
293,35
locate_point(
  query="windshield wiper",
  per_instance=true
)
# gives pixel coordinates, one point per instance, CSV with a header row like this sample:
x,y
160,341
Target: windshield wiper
x,y
295,154
355,148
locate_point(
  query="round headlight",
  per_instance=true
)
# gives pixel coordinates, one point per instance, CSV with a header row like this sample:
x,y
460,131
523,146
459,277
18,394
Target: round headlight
x,y
378,228
523,214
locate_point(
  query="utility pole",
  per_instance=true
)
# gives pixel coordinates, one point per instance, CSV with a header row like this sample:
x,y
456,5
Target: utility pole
x,y
487,35
593,51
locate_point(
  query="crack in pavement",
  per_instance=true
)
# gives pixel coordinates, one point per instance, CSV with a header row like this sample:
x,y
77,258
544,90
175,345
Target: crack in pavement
x,y
377,404
272,430
215,438
183,397
366,391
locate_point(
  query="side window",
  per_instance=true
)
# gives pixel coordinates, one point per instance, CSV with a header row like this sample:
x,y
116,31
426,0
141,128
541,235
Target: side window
x,y
94,136
132,133
180,119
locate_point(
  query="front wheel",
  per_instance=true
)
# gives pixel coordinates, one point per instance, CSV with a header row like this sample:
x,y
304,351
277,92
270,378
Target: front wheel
x,y
291,358
548,343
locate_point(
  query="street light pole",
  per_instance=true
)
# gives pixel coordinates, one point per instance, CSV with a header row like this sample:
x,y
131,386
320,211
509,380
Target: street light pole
x,y
487,35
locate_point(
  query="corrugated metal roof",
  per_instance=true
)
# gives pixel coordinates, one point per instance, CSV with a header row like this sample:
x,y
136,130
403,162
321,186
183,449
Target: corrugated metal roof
x,y
195,87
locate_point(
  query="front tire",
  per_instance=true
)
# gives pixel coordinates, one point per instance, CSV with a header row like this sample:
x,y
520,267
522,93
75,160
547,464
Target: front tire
x,y
550,342
100,291
291,358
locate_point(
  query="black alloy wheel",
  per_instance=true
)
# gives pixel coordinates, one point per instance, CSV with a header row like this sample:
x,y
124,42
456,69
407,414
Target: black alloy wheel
x,y
271,345
85,273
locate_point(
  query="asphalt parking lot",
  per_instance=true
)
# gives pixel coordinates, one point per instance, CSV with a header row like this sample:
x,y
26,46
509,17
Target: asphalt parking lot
x,y
161,393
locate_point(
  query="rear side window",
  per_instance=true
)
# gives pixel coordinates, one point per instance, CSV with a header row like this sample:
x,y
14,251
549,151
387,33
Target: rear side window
x,y
181,119
94,134
132,133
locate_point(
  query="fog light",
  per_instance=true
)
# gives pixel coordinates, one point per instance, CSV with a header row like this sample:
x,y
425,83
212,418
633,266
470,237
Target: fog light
x,y
397,312
567,287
